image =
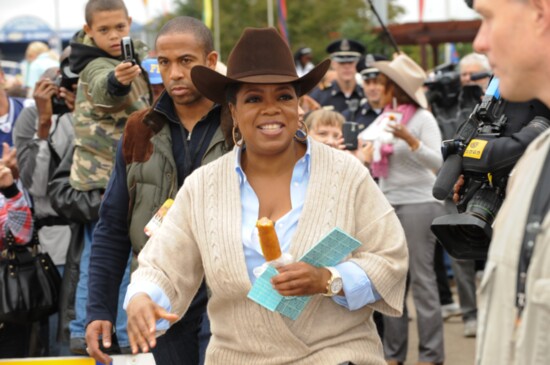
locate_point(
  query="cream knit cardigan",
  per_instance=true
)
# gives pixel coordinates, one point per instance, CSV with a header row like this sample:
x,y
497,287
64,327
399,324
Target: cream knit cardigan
x,y
201,236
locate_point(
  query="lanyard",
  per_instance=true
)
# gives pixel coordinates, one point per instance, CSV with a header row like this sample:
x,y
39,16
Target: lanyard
x,y
540,202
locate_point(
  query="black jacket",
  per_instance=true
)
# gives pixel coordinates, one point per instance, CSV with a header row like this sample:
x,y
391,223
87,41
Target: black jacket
x,y
79,207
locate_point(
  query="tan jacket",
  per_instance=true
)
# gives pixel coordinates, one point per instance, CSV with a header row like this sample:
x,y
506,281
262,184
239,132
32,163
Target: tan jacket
x,y
499,341
201,235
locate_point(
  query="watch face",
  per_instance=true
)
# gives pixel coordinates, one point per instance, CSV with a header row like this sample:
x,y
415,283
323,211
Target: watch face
x,y
336,286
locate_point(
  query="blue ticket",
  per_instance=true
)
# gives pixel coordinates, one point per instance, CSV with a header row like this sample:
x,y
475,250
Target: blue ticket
x,y
329,251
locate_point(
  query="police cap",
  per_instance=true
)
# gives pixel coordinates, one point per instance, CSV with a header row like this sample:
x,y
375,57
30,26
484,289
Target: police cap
x,y
345,50
365,67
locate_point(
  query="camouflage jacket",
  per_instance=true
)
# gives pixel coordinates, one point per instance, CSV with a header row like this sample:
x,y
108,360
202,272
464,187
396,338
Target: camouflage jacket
x,y
101,113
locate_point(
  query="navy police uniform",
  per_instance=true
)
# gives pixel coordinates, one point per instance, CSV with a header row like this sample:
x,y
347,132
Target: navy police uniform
x,y
366,114
341,51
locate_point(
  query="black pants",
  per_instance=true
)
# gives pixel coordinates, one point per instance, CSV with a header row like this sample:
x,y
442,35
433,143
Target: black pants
x,y
14,340
445,295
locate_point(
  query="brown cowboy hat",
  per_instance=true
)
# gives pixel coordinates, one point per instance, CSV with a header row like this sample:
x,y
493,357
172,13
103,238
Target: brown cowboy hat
x,y
261,56
407,74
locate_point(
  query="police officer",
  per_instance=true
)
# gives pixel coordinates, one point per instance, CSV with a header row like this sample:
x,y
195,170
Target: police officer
x,y
374,89
344,92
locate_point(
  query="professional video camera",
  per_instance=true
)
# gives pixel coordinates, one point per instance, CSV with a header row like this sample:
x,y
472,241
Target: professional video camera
x,y
485,160
66,79
443,86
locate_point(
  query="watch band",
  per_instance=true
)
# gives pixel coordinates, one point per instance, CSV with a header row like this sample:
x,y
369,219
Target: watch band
x,y
335,275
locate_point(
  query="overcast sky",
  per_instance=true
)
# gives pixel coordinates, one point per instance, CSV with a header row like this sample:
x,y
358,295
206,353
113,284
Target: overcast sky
x,y
437,10
71,12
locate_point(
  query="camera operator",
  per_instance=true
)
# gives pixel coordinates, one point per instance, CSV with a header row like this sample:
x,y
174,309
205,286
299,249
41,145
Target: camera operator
x,y
471,91
514,297
465,270
474,64
42,133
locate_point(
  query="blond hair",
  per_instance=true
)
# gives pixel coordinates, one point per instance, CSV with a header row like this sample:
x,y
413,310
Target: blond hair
x,y
324,117
36,48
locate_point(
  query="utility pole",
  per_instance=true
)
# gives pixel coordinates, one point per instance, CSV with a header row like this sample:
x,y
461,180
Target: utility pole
x,y
58,42
270,13
217,43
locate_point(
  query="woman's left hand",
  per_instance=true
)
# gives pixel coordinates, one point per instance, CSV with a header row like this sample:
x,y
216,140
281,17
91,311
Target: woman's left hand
x,y
300,278
142,316
401,131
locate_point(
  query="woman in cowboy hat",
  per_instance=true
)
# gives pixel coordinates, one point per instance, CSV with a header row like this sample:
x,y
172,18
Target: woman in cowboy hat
x,y
406,172
307,188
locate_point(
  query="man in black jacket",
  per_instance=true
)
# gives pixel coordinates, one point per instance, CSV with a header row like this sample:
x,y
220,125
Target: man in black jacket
x,y
160,147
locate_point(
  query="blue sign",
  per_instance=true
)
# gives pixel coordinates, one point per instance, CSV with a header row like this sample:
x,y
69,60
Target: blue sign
x,y
30,28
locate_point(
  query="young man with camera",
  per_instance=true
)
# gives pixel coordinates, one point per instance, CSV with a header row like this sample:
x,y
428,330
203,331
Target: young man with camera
x,y
42,134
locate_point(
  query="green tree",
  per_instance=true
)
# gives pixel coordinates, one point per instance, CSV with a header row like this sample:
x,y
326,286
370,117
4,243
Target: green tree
x,y
310,23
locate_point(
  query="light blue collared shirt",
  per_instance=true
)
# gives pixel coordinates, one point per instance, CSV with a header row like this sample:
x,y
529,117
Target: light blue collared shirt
x,y
358,288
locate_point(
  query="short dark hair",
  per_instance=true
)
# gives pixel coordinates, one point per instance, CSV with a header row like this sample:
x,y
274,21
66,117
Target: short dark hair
x,y
187,24
94,6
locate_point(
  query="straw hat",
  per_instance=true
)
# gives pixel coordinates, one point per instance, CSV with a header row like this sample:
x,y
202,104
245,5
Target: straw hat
x,y
407,74
261,56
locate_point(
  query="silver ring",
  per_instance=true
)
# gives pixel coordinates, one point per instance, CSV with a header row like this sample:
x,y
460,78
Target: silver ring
x,y
87,350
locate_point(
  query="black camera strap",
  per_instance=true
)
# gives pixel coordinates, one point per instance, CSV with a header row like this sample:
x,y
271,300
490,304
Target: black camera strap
x,y
540,203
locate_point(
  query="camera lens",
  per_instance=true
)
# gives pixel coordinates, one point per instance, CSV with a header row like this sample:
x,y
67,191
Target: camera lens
x,y
473,233
485,204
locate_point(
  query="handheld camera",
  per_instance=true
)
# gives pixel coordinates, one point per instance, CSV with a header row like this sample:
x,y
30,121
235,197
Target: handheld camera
x,y
127,48
485,159
467,236
350,131
66,79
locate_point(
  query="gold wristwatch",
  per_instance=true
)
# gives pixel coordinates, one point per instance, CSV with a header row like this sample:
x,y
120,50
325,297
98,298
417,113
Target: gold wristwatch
x,y
334,284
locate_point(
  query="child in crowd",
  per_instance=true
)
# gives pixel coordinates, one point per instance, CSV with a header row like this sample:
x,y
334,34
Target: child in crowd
x,y
325,126
108,92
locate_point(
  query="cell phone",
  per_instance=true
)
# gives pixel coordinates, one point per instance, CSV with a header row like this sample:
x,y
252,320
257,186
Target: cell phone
x,y
350,130
127,48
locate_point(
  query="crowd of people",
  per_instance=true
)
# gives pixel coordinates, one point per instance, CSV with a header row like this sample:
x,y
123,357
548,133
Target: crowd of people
x,y
353,141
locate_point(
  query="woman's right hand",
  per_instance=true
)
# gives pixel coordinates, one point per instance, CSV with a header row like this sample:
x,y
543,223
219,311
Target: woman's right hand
x,y
364,151
143,314
367,151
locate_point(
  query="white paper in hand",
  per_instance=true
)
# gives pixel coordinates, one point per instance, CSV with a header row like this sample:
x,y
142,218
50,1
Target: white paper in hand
x,y
378,130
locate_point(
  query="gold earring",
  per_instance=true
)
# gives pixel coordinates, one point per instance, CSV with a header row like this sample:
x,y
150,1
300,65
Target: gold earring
x,y
304,131
235,137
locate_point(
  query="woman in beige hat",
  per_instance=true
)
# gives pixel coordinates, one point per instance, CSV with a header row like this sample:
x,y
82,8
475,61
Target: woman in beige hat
x,y
406,173
307,189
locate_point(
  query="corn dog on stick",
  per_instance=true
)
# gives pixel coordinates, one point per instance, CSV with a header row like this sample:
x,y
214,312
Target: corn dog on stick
x,y
268,239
